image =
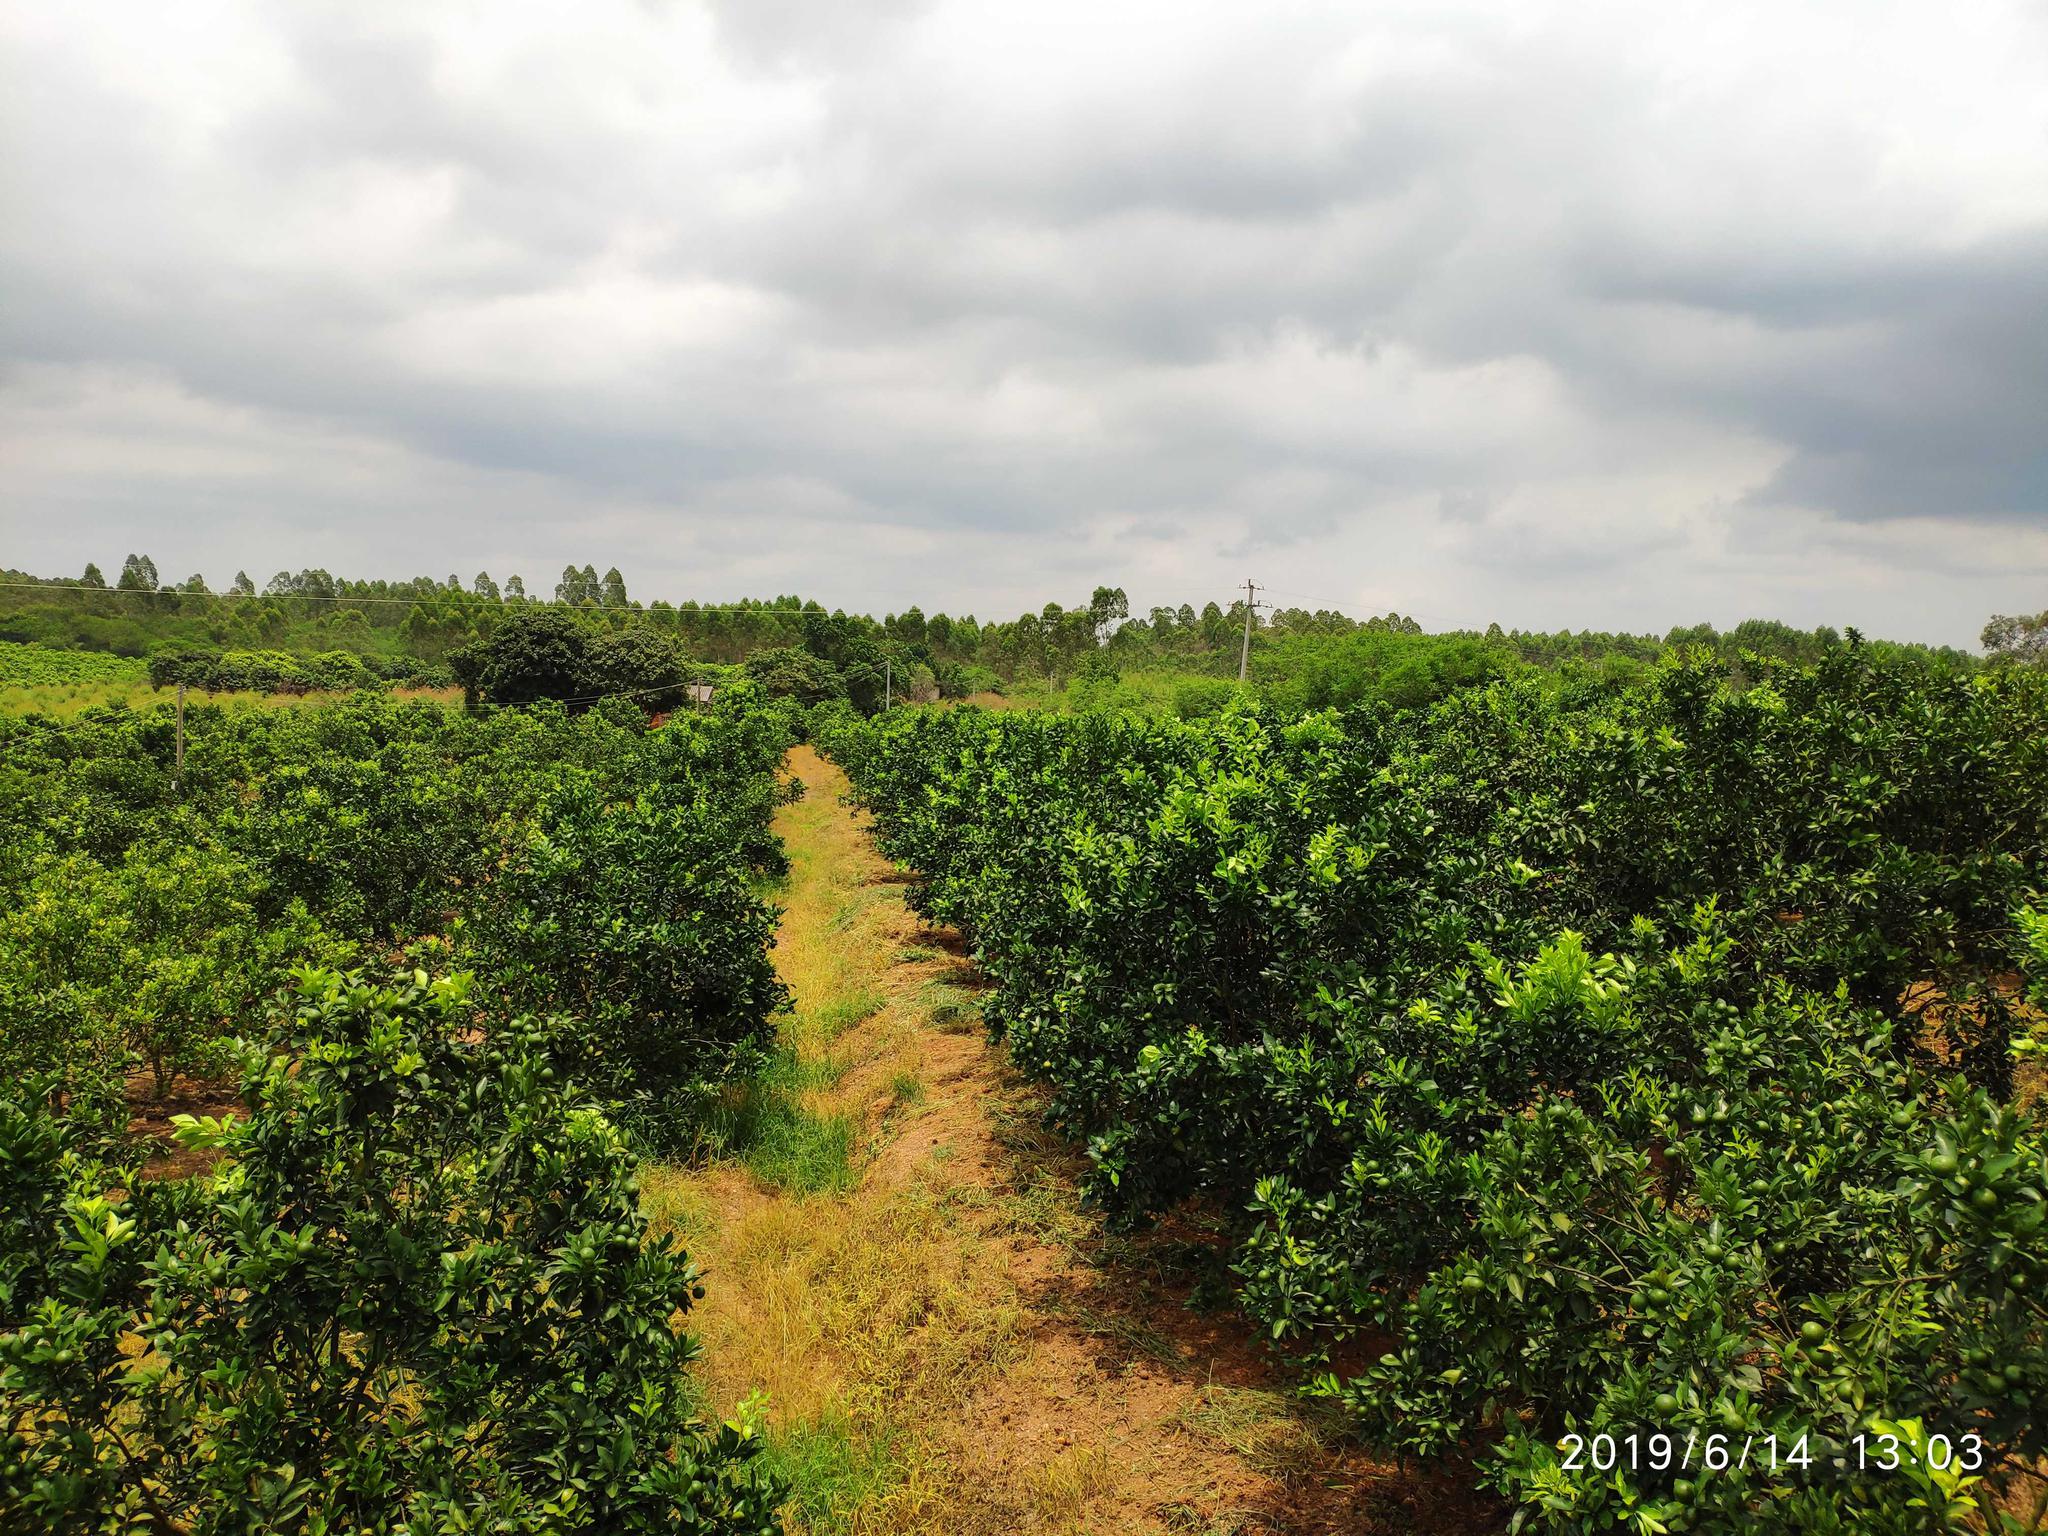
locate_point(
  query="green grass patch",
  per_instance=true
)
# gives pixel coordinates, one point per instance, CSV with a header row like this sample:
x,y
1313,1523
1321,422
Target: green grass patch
x,y
794,1074
766,1125
906,1088
833,1472
836,1018
802,1152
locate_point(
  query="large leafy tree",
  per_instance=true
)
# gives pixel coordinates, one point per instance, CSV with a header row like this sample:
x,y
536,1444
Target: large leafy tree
x,y
551,653
575,588
639,660
795,672
537,653
1106,609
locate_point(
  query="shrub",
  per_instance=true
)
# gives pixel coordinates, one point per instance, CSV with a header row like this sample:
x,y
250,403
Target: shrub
x,y
153,959
638,919
338,671
260,671
1200,697
417,1294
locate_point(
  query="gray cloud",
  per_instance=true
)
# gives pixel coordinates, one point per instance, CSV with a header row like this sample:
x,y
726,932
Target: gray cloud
x,y
1572,316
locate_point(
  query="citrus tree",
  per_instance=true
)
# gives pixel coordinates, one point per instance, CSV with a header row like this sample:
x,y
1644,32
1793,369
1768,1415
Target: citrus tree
x,y
1599,1058
416,1293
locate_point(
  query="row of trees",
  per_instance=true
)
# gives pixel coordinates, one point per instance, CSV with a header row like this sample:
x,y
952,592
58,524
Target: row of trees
x,y
428,618
414,1289
283,672
431,617
148,913
1568,1060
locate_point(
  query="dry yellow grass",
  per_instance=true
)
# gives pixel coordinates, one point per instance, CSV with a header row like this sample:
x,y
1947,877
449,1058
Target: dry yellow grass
x,y
863,1317
1063,1487
1264,1428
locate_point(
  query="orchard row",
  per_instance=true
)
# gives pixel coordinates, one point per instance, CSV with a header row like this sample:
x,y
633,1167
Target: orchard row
x,y
413,1290
1564,1060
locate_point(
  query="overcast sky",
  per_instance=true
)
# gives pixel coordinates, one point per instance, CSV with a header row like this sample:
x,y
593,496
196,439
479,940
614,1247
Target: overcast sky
x,y
1576,315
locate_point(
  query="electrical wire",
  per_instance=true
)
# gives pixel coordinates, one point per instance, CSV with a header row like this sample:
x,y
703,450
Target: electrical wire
x,y
1303,597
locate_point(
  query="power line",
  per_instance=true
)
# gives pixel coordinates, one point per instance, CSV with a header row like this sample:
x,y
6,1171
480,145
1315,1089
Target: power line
x,y
1321,605
628,693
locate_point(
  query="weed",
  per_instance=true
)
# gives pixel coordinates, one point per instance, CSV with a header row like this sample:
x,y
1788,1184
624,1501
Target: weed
x,y
841,1014
1263,1428
833,1471
869,1322
1136,1337
952,1010
1063,1486
906,1088
1186,1520
1049,1212
673,1202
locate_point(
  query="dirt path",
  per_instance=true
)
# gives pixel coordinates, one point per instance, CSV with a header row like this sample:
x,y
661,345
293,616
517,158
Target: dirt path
x,y
946,1341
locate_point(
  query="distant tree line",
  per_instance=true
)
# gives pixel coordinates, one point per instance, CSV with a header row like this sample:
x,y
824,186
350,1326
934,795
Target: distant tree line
x,y
2017,639
602,640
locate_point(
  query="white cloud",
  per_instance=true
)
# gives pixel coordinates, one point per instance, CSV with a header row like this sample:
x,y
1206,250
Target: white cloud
x,y
1557,314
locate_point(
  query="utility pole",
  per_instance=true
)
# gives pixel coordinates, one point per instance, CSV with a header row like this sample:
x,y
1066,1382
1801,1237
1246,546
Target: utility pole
x,y
1244,654
178,774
